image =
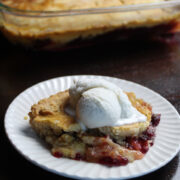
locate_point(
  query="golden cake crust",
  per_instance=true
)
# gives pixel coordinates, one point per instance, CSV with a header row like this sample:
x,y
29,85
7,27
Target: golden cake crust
x,y
50,5
48,117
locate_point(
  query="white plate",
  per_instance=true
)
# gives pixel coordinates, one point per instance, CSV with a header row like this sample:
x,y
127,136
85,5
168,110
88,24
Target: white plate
x,y
166,146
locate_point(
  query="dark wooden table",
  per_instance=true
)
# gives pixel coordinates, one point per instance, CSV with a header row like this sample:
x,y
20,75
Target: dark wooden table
x,y
155,65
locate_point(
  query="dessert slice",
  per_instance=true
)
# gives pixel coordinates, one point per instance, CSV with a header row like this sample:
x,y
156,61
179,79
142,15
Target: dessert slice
x,y
76,138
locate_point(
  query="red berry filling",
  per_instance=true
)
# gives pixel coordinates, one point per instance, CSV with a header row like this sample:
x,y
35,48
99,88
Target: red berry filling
x,y
57,154
106,154
143,142
109,161
155,119
78,157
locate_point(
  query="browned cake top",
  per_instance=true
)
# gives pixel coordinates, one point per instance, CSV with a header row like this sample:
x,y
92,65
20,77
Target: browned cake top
x,y
50,113
69,4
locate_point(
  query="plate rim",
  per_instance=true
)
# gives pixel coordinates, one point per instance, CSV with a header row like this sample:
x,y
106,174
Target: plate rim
x,y
44,167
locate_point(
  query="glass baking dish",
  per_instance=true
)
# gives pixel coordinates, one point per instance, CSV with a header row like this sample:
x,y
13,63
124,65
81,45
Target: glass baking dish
x,y
57,28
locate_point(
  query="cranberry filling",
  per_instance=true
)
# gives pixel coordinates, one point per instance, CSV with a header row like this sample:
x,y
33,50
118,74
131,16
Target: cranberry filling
x,y
142,143
155,119
78,157
109,161
144,146
149,134
105,153
57,154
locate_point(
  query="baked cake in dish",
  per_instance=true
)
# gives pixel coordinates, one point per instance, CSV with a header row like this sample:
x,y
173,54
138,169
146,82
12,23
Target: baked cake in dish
x,y
70,136
57,32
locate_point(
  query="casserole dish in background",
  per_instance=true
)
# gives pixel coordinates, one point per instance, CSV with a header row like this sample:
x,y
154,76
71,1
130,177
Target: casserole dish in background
x,y
59,24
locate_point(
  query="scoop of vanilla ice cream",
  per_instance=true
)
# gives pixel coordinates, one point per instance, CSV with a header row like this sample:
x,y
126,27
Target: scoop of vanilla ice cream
x,y
99,103
98,106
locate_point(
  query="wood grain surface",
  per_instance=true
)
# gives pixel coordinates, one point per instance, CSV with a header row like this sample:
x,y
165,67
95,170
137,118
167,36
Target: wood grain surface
x,y
153,64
